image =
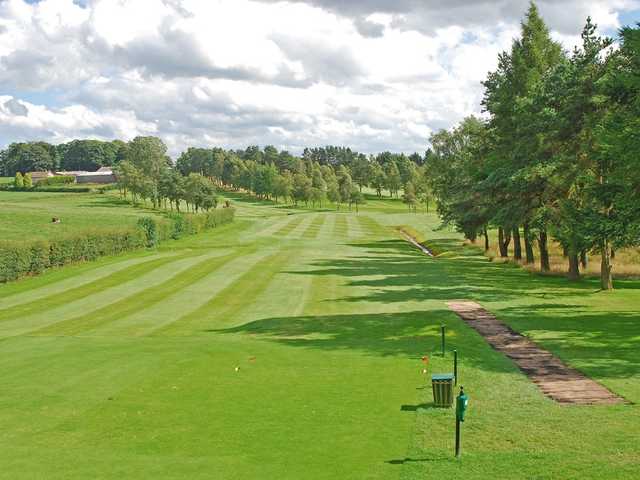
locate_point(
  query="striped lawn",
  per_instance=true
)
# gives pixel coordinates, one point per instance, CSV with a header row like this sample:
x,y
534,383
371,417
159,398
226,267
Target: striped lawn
x,y
288,346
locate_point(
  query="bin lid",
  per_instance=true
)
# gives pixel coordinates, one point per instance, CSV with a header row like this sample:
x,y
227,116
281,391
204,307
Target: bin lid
x,y
442,376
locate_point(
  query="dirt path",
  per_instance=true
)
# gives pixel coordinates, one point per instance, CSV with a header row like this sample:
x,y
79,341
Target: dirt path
x,y
556,380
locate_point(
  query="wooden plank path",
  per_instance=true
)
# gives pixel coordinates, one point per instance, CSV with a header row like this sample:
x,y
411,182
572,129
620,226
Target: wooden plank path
x,y
556,380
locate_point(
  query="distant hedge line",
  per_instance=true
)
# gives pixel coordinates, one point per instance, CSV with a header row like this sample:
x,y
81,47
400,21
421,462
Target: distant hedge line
x,y
19,259
56,180
60,188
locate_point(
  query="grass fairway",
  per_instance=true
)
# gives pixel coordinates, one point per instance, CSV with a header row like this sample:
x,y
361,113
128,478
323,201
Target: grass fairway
x,y
126,367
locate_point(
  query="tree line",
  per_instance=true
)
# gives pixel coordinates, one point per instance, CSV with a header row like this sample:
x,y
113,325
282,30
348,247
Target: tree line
x,y
88,155
332,174
556,157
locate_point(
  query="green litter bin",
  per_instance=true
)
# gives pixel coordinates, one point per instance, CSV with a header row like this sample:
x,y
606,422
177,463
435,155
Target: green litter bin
x,y
442,389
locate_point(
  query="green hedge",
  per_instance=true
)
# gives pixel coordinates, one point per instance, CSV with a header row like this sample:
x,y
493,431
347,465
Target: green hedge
x,y
61,188
56,180
18,259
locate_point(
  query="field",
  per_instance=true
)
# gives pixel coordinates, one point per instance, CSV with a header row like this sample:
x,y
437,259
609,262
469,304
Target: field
x,y
288,344
29,214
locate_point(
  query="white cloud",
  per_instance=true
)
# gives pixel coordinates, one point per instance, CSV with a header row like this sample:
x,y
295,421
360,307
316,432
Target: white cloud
x,y
370,74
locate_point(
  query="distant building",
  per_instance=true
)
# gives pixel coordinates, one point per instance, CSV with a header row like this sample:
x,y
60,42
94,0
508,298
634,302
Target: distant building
x,y
103,175
106,176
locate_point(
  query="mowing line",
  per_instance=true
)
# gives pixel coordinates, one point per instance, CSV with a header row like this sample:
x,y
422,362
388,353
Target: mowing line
x,y
288,228
64,285
354,227
302,227
314,229
326,231
98,300
185,301
340,228
90,288
137,301
370,225
220,310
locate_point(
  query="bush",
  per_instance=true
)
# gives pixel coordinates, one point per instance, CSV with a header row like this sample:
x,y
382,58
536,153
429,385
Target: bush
x,y
150,228
57,180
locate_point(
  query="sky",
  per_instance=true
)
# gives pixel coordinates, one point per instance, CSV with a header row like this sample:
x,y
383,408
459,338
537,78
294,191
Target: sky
x,y
374,75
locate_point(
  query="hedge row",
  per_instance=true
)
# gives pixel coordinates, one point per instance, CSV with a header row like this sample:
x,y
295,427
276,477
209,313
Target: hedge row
x,y
178,225
18,259
57,180
60,188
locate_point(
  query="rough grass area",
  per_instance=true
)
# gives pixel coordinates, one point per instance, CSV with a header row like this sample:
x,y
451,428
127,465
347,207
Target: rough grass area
x,y
625,265
288,345
28,214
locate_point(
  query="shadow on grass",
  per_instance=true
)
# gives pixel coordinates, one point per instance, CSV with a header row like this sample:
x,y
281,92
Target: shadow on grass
x,y
409,334
601,344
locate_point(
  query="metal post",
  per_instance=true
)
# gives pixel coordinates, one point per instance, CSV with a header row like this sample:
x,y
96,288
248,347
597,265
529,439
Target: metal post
x,y
442,332
457,437
455,367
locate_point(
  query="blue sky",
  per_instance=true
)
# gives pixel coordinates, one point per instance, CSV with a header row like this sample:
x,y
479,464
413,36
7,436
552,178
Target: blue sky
x,y
369,74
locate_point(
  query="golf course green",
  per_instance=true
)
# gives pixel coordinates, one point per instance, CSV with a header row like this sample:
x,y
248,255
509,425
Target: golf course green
x,y
288,345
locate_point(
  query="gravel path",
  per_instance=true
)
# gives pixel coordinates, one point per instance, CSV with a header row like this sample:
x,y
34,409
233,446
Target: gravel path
x,y
556,380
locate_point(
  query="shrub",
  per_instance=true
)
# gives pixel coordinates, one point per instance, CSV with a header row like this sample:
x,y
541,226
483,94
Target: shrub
x,y
28,182
57,180
19,181
150,229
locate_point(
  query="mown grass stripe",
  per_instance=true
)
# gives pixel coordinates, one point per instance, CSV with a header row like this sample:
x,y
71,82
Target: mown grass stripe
x,y
313,229
341,229
83,291
136,302
289,227
371,226
297,232
223,307
326,232
184,301
60,280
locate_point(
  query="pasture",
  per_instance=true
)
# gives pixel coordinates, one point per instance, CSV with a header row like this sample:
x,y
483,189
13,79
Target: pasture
x,y
288,344
29,214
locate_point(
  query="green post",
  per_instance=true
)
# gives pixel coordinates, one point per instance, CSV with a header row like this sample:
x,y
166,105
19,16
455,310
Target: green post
x,y
455,367
461,407
442,334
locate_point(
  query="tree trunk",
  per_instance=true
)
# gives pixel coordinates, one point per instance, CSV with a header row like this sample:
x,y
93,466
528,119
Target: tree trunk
x,y
486,240
504,239
545,266
528,245
584,259
517,245
606,281
574,265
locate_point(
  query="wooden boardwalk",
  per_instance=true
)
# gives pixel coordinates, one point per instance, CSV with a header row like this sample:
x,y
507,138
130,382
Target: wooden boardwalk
x,y
556,380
